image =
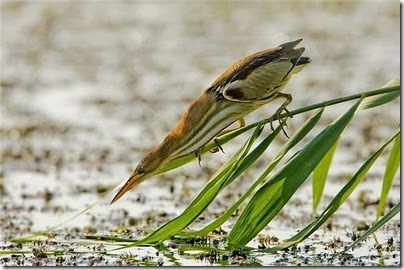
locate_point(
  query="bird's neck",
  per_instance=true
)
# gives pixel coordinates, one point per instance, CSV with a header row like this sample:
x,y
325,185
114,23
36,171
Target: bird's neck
x,y
184,138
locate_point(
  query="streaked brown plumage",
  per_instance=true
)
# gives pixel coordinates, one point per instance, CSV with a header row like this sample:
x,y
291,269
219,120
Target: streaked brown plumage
x,y
244,87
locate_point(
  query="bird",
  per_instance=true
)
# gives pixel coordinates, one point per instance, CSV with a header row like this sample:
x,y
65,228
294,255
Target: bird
x,y
244,87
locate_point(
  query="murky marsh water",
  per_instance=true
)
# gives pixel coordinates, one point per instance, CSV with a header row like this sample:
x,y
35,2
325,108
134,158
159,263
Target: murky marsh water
x,y
88,87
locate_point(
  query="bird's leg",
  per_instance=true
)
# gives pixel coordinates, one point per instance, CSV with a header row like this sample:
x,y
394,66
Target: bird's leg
x,y
282,108
241,123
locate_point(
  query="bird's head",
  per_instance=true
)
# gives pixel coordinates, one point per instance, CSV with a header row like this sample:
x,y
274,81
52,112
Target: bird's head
x,y
146,168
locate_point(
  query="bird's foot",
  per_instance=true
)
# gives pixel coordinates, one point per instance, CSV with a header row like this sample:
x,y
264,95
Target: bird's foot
x,y
277,116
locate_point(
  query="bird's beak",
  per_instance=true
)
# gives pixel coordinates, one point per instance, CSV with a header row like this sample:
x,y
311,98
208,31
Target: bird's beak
x,y
134,180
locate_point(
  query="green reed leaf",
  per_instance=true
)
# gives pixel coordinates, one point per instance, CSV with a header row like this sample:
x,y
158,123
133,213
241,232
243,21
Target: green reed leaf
x,y
320,174
391,170
271,197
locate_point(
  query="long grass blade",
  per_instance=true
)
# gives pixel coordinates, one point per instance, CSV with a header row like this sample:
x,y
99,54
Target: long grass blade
x,y
320,174
271,197
338,200
391,170
64,222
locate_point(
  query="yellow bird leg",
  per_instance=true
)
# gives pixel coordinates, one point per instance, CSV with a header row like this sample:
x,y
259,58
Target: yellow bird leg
x,y
241,123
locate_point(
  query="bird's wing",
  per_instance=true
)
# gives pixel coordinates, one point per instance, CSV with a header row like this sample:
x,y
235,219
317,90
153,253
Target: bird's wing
x,y
259,75
261,83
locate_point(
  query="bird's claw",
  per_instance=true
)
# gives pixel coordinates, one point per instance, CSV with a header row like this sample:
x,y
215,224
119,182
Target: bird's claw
x,y
216,149
277,116
198,154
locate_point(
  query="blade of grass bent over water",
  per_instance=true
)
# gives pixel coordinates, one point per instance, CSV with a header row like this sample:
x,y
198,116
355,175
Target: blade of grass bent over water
x,y
271,197
29,238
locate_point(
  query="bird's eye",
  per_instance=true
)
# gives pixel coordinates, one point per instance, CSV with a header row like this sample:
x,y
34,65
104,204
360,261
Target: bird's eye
x,y
140,170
